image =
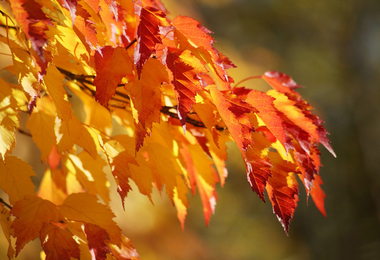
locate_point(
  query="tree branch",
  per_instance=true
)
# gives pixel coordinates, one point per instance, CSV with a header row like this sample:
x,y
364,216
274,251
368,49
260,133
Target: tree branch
x,y
84,80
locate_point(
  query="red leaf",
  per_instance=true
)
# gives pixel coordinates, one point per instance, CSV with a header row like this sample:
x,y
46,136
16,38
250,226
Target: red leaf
x,y
318,195
282,190
148,35
258,167
156,4
185,69
112,64
58,243
97,238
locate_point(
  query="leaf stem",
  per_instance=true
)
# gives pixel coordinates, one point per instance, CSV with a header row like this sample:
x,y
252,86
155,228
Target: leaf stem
x,y
244,80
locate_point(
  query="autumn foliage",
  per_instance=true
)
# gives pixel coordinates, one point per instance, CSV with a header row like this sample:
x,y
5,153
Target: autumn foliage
x,y
164,83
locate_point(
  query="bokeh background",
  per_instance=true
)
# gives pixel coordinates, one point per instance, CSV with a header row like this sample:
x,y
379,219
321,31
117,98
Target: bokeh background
x,y
332,47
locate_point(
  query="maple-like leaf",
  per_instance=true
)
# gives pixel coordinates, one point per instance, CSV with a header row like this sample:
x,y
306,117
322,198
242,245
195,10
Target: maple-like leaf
x,y
112,64
15,178
31,212
58,243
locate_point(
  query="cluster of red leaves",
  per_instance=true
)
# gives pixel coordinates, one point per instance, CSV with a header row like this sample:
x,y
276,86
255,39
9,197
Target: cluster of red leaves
x,y
168,88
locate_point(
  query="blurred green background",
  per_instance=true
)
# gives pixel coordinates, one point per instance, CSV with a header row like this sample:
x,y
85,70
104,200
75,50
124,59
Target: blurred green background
x,y
332,48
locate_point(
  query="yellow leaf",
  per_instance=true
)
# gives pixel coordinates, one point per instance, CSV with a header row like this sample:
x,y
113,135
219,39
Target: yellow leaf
x,y
124,166
54,85
6,222
84,207
90,174
31,212
8,118
41,125
15,178
49,190
74,132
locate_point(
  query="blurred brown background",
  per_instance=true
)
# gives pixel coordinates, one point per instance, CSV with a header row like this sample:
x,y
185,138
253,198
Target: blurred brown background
x,y
332,48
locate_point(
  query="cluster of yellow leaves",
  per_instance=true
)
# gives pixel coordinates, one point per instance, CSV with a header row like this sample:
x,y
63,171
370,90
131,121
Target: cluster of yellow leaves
x,y
167,88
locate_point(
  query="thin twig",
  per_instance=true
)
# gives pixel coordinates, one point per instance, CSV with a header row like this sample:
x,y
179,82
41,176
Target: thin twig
x,y
5,204
24,132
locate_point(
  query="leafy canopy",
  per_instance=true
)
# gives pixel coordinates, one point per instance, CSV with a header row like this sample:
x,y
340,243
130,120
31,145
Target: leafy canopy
x,y
168,87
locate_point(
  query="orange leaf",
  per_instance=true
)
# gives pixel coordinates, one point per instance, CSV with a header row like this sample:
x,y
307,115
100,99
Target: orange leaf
x,y
318,195
31,212
58,243
15,178
199,36
112,64
146,96
84,207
